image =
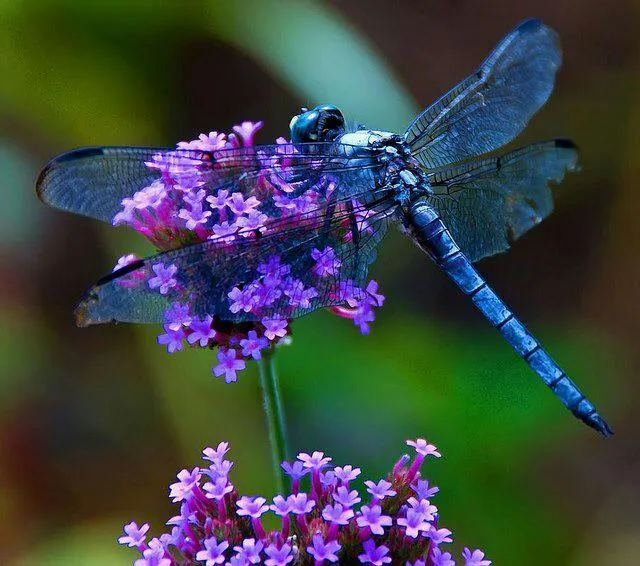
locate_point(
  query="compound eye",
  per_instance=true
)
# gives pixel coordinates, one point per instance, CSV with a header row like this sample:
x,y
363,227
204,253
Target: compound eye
x,y
293,122
330,124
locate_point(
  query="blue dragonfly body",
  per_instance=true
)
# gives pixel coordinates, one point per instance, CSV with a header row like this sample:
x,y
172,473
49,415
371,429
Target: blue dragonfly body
x,y
456,207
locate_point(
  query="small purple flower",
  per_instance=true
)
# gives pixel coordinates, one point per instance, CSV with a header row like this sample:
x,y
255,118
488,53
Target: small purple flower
x,y
278,556
414,523
237,560
345,497
475,558
337,514
323,551
194,217
228,365
250,550
286,205
275,326
380,490
183,489
439,558
193,198
376,555
172,339
150,196
296,470
218,488
373,518
347,473
438,536
127,214
154,555
239,205
241,300
215,454
224,231
205,142
281,506
315,461
246,131
135,535
177,316
219,201
201,330
299,296
266,293
328,479
423,506
254,220
220,468
375,298
253,507
363,316
274,268
214,551
423,490
184,518
253,344
326,262
164,279
300,503
424,448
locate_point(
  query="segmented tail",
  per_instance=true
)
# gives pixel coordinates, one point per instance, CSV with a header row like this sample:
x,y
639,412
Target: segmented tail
x,y
434,238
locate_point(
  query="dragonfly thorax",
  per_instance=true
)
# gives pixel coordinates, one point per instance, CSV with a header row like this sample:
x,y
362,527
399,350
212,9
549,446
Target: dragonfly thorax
x,y
402,172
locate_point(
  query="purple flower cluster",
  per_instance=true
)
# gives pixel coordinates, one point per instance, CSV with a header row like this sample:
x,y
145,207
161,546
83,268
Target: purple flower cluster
x,y
185,206
397,523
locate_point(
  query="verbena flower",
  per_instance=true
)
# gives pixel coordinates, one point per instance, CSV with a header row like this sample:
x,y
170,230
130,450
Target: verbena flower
x,y
177,209
316,524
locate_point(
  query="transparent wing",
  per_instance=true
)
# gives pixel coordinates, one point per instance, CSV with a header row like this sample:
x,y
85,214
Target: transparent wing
x,y
492,106
93,181
488,203
348,221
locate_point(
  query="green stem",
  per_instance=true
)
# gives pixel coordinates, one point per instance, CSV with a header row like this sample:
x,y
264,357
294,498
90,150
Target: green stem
x,y
274,413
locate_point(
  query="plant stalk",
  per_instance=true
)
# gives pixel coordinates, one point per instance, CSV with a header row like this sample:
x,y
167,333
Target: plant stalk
x,y
274,413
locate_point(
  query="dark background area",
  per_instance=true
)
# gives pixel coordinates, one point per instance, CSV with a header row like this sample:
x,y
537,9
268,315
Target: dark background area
x,y
94,423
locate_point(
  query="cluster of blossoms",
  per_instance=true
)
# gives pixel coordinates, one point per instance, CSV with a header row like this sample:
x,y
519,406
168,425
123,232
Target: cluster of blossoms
x,y
215,189
327,522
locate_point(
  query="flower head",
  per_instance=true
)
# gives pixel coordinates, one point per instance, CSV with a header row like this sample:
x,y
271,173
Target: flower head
x,y
221,190
217,525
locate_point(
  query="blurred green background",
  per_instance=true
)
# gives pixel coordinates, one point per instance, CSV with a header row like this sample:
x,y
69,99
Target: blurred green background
x,y
95,423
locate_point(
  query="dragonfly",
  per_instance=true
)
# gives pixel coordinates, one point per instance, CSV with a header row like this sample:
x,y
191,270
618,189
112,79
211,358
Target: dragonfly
x,y
332,187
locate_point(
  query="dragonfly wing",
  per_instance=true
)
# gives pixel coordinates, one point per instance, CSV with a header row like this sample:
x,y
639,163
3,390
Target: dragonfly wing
x,y
492,106
488,203
349,219
94,181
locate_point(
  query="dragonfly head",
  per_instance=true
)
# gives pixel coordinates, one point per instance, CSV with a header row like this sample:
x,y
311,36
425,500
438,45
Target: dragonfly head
x,y
322,123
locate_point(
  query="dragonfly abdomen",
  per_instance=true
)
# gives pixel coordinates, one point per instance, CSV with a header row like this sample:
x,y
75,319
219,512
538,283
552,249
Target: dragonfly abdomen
x,y
434,238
